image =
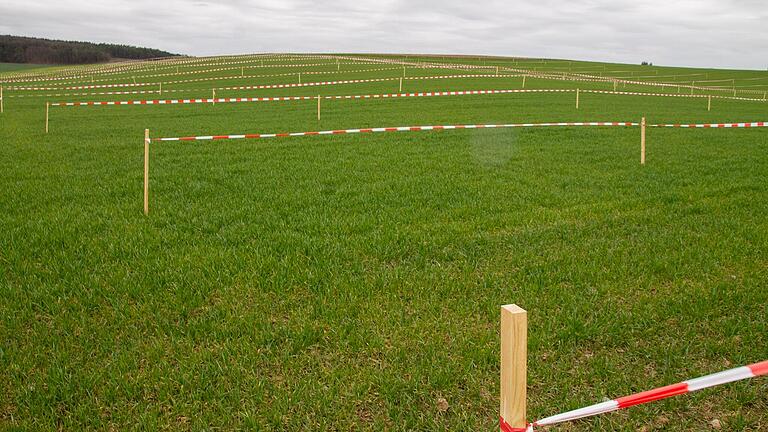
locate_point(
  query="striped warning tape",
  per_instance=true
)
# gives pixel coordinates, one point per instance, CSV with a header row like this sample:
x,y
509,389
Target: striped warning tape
x,y
720,378
148,65
294,98
266,61
73,72
368,80
224,78
108,93
83,87
293,74
363,96
713,125
202,71
675,95
393,129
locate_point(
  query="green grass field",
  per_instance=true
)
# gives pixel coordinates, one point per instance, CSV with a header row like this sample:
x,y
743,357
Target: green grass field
x,y
12,67
349,282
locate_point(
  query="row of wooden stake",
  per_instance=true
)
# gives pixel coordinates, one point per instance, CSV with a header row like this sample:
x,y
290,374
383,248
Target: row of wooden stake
x,y
213,100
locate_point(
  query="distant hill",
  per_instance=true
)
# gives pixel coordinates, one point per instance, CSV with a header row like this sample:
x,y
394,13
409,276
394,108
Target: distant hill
x,y
18,49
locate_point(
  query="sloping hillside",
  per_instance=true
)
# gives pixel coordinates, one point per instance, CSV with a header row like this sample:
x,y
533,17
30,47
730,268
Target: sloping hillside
x,y
17,49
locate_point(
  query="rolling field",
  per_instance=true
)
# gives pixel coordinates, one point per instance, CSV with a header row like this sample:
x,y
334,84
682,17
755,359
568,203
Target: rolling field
x,y
352,282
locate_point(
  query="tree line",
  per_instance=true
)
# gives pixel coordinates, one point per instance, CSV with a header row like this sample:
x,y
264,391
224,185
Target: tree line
x,y
17,49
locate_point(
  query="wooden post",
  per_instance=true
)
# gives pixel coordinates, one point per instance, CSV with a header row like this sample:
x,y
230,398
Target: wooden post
x,y
642,141
578,91
615,84
497,71
524,76
403,71
709,103
47,104
146,171
134,80
213,99
514,364
161,89
299,77
401,85
318,107
242,71
2,107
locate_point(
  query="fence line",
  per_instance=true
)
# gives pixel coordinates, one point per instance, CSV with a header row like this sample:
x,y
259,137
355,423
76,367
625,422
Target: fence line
x,y
395,129
365,96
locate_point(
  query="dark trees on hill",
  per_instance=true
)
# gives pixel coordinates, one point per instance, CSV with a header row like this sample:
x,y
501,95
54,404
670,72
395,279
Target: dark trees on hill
x,y
15,49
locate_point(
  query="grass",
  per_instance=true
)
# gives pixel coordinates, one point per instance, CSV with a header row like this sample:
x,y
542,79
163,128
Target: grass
x,y
349,282
11,67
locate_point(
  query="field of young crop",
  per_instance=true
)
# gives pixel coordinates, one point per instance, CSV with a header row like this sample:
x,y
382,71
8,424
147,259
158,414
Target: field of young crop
x,y
353,282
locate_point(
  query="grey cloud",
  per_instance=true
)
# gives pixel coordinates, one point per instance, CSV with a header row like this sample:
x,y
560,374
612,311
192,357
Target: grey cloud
x,y
706,33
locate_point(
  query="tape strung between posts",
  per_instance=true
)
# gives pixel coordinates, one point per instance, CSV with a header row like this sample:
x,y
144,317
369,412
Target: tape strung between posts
x,y
720,378
393,129
713,125
293,98
449,127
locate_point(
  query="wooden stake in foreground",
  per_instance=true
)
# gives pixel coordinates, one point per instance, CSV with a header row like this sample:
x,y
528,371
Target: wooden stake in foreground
x,y
146,171
514,364
642,141
709,103
401,84
213,98
318,107
47,105
524,76
161,89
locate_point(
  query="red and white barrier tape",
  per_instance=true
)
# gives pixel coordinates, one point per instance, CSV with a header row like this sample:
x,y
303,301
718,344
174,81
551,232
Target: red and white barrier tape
x,y
192,72
83,87
134,67
713,125
393,129
365,96
358,81
108,93
294,98
293,74
729,376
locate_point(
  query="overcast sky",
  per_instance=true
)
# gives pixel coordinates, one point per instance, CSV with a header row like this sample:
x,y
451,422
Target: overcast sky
x,y
712,33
